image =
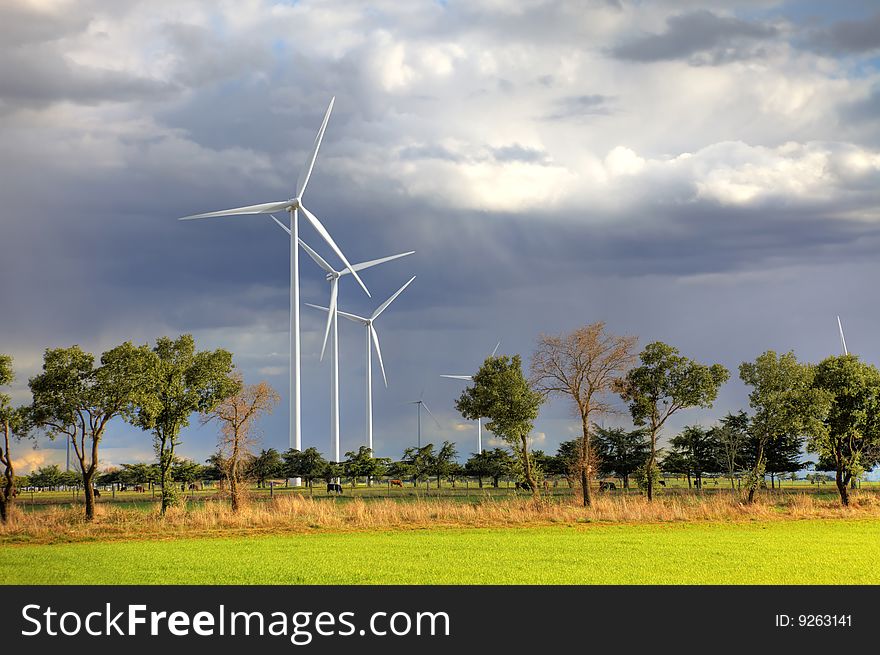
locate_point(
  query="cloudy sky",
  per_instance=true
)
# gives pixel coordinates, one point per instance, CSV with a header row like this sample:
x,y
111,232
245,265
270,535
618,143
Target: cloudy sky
x,y
702,173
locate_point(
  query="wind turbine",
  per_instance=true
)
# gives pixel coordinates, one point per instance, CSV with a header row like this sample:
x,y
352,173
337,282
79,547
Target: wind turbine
x,y
293,206
421,403
372,336
842,340
333,278
470,378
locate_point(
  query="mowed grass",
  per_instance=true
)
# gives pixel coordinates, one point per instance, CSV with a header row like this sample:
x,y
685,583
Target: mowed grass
x,y
811,551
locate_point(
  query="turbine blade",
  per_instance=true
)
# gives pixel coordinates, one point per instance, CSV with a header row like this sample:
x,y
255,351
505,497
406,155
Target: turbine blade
x,y
497,346
320,261
353,317
378,353
331,311
376,262
385,304
842,339
280,224
320,229
469,378
265,208
425,405
306,172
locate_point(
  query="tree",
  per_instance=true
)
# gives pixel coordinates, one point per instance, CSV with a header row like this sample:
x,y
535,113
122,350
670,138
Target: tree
x,y
75,399
13,422
569,458
733,438
583,366
444,461
785,402
267,464
620,452
419,462
181,382
308,464
693,452
501,393
852,423
237,415
141,473
663,384
362,464
46,477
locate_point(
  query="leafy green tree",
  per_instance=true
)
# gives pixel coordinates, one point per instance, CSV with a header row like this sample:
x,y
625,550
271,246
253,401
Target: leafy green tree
x,y
265,465
46,477
186,471
663,384
494,464
13,422
852,433
419,462
785,404
181,382
569,458
362,464
478,466
75,399
501,393
308,464
400,470
733,439
693,452
582,366
620,452
140,473
443,463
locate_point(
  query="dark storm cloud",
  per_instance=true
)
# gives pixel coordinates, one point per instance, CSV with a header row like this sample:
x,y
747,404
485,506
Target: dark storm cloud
x,y
848,37
721,38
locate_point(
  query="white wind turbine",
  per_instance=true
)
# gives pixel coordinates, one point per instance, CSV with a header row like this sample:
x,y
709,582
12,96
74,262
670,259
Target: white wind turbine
x,y
470,378
333,278
421,403
842,340
372,336
293,206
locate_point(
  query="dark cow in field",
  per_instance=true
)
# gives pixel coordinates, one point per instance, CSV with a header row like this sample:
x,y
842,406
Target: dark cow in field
x,y
14,492
334,487
396,483
607,486
523,485
662,483
97,493
138,487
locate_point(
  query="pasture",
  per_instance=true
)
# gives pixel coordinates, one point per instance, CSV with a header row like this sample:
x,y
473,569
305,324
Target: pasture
x,y
809,551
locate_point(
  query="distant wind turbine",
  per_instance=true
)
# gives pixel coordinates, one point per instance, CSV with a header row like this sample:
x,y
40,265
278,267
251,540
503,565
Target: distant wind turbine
x,y
422,403
372,336
293,206
470,378
842,339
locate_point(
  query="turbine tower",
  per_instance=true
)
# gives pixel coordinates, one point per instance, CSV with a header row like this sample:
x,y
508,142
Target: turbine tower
x,y
333,278
372,336
842,340
470,378
294,206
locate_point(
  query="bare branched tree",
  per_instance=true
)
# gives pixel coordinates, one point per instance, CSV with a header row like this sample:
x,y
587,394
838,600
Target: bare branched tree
x,y
583,366
237,416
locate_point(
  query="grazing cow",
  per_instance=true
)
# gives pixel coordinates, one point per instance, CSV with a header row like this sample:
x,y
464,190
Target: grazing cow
x,y
546,485
97,493
195,487
607,486
662,483
523,485
137,487
14,492
397,483
334,487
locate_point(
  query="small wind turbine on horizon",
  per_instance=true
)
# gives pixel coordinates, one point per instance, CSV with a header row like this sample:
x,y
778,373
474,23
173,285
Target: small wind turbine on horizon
x,y
293,206
421,403
470,378
372,340
842,339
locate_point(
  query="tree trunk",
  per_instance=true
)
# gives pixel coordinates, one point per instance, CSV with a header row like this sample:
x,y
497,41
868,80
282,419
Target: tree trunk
x,y
759,468
166,458
527,467
690,486
842,484
6,495
89,492
651,459
585,484
626,481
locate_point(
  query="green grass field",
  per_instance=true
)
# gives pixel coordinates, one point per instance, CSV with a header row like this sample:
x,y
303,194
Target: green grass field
x,y
772,552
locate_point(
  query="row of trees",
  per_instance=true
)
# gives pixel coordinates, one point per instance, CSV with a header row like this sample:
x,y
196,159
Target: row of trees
x,y
833,407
